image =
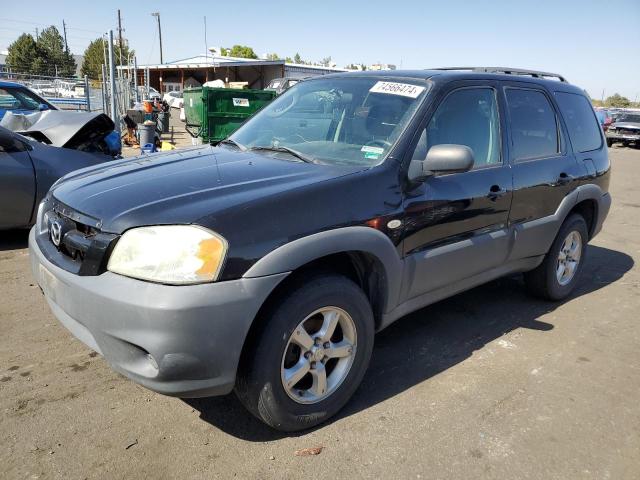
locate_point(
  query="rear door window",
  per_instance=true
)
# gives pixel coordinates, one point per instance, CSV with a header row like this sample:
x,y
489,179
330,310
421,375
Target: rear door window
x,y
584,130
534,129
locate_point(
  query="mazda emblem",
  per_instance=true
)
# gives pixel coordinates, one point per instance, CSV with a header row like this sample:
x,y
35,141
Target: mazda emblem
x,y
56,233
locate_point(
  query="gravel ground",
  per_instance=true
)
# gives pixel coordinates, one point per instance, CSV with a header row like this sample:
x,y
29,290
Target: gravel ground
x,y
488,384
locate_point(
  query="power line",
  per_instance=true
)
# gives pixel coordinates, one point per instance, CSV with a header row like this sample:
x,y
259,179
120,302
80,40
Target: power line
x,y
15,20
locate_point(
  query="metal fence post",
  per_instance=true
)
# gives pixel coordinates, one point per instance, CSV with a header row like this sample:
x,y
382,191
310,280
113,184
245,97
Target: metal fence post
x,y
112,74
147,81
87,93
135,79
105,106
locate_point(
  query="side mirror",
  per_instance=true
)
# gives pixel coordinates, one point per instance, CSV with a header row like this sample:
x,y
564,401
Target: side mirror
x,y
43,106
444,158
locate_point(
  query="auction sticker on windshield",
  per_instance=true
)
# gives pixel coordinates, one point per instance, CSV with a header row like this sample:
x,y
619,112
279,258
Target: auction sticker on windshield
x,y
240,102
395,88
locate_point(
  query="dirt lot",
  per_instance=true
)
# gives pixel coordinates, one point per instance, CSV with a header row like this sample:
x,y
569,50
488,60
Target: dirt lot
x,y
489,384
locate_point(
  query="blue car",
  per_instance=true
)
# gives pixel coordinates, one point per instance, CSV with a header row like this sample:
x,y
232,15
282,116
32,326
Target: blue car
x,y
85,131
17,98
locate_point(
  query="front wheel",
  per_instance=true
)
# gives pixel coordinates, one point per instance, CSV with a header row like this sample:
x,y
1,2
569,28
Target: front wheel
x,y
557,275
609,142
309,355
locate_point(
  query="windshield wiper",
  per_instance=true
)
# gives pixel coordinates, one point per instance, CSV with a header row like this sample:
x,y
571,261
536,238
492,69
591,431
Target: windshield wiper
x,y
288,150
229,141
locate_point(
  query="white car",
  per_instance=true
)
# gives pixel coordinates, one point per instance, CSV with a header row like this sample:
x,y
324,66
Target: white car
x,y
173,99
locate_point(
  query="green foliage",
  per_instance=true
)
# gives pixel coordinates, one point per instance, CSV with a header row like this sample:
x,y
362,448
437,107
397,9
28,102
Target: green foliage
x,y
46,56
22,54
273,56
240,51
297,58
325,62
618,101
58,60
94,57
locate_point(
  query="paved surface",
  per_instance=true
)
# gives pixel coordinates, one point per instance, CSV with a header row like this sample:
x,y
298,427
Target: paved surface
x,y
489,384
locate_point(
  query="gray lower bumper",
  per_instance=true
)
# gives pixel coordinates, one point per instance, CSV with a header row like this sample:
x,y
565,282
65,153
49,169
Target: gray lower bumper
x,y
177,340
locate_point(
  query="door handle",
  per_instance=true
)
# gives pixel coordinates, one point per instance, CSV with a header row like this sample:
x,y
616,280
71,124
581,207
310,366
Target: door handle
x,y
564,178
495,192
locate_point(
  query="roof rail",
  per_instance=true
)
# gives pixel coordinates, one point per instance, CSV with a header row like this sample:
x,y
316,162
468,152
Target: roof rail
x,y
508,71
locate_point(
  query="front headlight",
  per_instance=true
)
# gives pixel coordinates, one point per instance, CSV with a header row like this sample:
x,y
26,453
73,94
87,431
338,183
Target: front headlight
x,y
172,254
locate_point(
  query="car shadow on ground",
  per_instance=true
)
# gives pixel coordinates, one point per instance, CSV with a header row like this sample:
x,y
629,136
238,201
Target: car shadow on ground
x,y
13,239
433,339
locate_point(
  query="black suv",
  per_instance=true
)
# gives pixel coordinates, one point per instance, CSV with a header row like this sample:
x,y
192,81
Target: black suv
x,y
266,263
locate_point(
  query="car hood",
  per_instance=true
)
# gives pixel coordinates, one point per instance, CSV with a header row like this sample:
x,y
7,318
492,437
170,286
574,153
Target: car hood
x,y
59,128
183,186
632,125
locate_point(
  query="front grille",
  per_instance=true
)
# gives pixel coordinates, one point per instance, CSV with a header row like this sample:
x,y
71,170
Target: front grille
x,y
71,240
628,131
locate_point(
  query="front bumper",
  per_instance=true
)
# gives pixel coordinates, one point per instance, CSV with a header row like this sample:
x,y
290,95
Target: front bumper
x,y
182,341
622,137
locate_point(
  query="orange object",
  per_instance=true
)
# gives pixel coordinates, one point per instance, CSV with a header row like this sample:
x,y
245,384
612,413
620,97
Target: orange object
x,y
148,106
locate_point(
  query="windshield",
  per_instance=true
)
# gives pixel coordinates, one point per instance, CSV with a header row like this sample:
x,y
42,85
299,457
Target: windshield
x,y
352,121
629,118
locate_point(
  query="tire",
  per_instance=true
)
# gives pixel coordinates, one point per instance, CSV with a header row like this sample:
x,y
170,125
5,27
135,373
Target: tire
x,y
609,143
267,361
544,281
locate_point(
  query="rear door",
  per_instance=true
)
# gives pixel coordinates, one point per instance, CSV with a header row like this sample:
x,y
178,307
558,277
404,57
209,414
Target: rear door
x,y
586,136
544,168
456,224
17,182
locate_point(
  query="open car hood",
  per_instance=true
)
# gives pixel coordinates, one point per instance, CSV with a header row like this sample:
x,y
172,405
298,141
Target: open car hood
x,y
59,128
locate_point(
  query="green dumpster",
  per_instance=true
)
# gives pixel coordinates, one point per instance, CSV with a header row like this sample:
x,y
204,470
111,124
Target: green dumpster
x,y
215,113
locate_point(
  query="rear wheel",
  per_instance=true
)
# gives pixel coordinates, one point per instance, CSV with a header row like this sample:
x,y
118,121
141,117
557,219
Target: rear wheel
x,y
310,354
556,277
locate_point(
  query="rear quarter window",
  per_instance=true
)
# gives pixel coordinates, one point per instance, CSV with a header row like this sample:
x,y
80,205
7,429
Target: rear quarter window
x,y
583,127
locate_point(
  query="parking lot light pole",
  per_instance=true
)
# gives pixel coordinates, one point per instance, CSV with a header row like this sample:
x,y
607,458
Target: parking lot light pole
x,y
157,15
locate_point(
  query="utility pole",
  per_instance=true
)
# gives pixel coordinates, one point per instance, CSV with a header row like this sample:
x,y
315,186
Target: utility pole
x,y
64,29
157,15
37,34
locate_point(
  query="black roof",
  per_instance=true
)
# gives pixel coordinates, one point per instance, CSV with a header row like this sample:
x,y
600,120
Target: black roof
x,y
552,80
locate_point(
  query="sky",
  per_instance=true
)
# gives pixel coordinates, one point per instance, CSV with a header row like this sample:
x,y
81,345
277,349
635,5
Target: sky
x,y
595,44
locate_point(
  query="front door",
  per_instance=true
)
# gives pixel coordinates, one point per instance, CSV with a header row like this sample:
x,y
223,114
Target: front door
x,y
456,224
17,183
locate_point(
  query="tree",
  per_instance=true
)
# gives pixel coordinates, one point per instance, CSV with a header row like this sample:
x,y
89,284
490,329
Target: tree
x,y
57,60
94,57
240,51
616,100
273,56
325,62
22,54
297,58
